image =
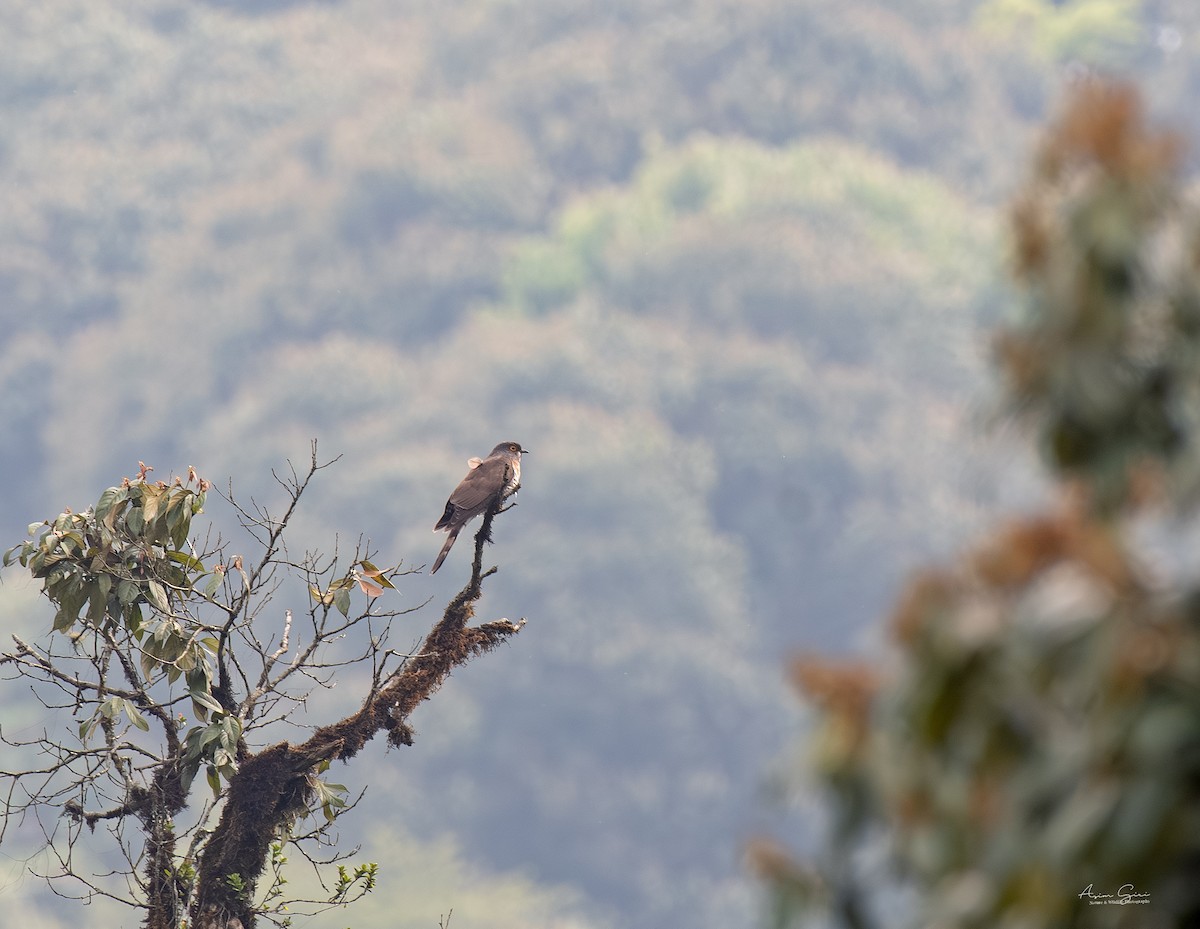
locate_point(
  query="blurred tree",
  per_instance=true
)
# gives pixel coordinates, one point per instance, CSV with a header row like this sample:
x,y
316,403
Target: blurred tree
x,y
591,84
746,238
147,629
1093,32
1033,757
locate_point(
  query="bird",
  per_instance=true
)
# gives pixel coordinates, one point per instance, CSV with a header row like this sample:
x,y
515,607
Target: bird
x,y
499,474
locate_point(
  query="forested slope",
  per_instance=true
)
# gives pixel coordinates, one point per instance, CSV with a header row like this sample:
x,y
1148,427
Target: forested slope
x,y
723,266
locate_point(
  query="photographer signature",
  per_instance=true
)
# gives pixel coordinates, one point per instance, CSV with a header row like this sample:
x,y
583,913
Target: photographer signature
x,y
1125,895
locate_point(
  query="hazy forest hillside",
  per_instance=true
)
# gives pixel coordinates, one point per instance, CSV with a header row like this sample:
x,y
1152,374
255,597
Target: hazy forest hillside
x,y
725,266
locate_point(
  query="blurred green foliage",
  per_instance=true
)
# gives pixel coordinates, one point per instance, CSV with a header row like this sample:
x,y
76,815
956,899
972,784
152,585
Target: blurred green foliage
x,y
733,235
688,252
1094,32
1032,756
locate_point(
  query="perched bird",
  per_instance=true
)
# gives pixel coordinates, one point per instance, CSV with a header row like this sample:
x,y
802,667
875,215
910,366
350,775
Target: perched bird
x,y
499,474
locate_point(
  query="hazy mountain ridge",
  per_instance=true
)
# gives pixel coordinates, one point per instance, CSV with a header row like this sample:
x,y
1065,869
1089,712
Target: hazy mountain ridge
x,y
724,267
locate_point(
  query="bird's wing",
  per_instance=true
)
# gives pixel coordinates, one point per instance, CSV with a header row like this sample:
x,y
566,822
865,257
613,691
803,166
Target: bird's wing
x,y
480,484
446,518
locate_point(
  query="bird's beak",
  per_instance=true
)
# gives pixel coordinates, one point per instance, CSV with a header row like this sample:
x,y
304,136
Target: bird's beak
x,y
524,451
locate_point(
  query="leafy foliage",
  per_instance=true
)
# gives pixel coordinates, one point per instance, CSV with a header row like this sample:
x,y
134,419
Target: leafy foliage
x,y
121,554
1035,751
1106,366
153,620
741,237
126,560
1095,32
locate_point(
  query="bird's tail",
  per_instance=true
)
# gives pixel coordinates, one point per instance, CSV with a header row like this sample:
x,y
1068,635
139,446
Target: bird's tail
x,y
445,549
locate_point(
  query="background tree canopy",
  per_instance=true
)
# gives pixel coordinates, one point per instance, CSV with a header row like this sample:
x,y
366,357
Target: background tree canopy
x,y
723,267
1029,755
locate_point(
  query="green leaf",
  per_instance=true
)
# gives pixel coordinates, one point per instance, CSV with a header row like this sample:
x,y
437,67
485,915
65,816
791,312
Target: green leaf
x,y
205,701
174,644
64,620
135,523
110,504
378,576
157,596
200,677
179,519
152,498
97,605
232,728
212,733
149,661
134,619
8,555
187,659
191,562
127,591
192,745
135,716
341,600
214,582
